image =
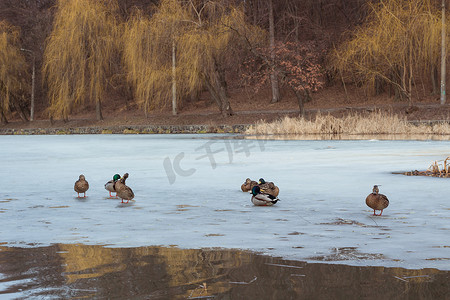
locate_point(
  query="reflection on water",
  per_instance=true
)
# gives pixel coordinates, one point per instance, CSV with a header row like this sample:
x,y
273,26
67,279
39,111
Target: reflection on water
x,y
74,271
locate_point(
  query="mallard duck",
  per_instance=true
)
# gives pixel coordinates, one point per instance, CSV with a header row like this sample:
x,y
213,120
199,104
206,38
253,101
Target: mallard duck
x,y
110,185
377,201
248,185
81,186
268,187
260,199
122,190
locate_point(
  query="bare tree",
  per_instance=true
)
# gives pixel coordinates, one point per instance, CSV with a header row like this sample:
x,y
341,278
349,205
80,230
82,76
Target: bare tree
x,y
273,74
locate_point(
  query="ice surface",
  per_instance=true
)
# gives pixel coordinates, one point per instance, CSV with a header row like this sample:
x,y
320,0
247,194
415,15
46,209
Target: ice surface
x,y
188,194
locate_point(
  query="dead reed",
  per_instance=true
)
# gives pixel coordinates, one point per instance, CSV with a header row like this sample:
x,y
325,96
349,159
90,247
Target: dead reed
x,y
353,124
440,169
436,169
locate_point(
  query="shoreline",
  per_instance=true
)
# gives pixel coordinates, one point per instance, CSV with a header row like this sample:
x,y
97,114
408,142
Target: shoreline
x,y
128,129
211,121
169,129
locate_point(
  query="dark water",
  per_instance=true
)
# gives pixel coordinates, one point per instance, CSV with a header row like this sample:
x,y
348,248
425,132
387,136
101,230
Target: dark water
x,y
82,271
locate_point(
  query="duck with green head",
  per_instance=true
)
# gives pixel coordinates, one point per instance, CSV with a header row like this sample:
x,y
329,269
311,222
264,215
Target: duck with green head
x,y
260,199
377,201
268,187
110,186
122,190
81,186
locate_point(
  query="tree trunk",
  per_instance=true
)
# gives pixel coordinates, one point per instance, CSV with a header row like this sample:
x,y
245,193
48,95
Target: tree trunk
x,y
220,85
214,95
174,80
98,110
443,56
217,89
255,4
295,19
301,104
410,78
273,74
404,71
33,80
17,107
434,80
4,120
378,86
146,109
219,96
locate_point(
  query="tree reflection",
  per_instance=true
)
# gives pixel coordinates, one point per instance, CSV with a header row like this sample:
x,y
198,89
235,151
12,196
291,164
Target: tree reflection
x,y
74,270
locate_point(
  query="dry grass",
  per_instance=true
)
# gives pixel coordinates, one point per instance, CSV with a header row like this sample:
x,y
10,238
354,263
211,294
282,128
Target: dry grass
x,y
436,169
352,124
440,170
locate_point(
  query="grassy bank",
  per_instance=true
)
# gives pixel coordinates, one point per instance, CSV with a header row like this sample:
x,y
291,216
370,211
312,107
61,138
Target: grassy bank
x,y
352,124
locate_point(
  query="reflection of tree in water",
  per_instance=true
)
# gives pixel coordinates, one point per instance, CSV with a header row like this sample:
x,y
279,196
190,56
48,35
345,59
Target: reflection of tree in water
x,y
170,273
154,271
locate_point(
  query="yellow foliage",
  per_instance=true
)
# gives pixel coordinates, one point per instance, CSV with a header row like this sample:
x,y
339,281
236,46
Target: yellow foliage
x,y
12,64
147,53
200,31
398,40
77,54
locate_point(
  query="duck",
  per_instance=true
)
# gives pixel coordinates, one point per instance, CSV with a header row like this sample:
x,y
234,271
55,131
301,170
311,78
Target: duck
x,y
110,185
81,186
377,201
268,187
122,190
260,199
248,185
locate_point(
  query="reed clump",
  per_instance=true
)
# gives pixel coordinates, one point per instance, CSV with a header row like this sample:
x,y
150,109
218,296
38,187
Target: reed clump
x,y
440,169
352,124
436,169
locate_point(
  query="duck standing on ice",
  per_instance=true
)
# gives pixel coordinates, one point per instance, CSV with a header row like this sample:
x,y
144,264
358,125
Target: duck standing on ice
x,y
110,186
122,190
377,201
81,186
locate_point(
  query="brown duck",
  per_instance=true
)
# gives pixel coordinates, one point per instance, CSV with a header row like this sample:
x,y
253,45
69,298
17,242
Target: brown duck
x,y
377,201
122,190
268,187
248,185
81,186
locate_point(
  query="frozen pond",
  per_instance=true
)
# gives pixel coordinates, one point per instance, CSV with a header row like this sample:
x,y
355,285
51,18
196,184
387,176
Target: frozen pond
x,y
188,195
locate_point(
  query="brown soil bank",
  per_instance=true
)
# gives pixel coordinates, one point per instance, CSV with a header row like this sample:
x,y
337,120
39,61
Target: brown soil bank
x,y
202,115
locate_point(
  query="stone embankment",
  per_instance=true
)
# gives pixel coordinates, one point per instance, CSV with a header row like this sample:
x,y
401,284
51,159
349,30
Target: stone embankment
x,y
128,129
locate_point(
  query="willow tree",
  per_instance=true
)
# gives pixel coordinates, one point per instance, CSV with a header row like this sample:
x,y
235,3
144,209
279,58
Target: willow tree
x,y
399,40
12,68
187,42
217,33
149,54
78,54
